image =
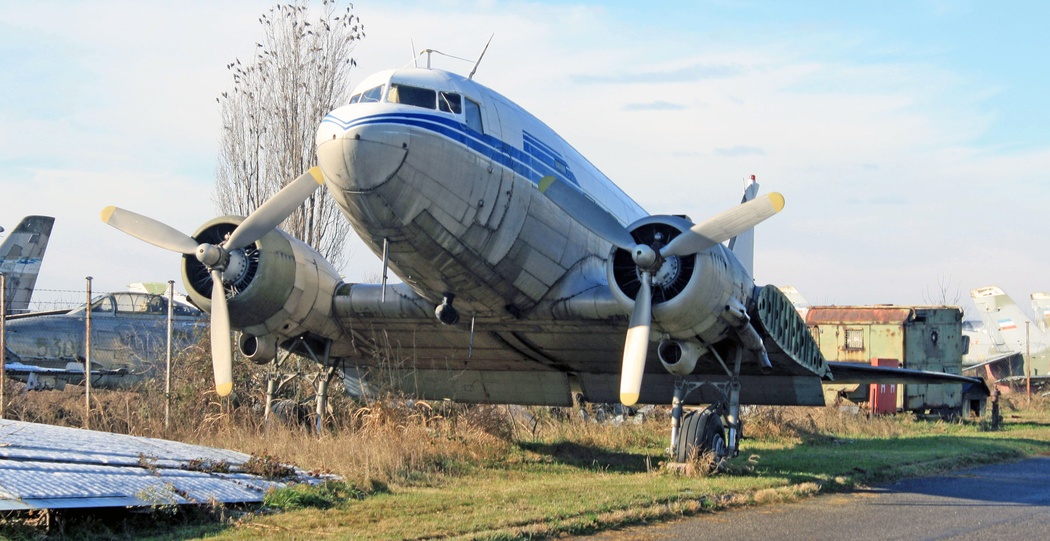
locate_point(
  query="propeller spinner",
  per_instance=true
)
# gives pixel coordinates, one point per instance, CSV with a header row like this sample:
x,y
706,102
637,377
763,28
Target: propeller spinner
x,y
216,257
648,259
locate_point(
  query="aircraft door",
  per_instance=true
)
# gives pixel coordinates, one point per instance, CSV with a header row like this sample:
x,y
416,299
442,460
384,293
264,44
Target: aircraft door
x,y
483,122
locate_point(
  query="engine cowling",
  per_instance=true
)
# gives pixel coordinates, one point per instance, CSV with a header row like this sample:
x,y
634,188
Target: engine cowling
x,y
689,292
277,286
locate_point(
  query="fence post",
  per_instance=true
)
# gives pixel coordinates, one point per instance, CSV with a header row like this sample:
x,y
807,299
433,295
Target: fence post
x,y
87,358
167,371
3,340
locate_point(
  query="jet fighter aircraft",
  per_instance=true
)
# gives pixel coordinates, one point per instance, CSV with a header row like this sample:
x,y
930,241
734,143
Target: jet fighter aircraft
x,y
528,277
128,340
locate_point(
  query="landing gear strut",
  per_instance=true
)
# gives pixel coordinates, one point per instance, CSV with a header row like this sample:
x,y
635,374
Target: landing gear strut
x,y
327,368
698,432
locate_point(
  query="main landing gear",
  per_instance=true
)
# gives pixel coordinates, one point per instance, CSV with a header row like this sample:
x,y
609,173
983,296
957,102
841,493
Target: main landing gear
x,y
703,432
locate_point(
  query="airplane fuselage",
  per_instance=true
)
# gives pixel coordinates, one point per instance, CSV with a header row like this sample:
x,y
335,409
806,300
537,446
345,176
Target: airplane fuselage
x,y
453,194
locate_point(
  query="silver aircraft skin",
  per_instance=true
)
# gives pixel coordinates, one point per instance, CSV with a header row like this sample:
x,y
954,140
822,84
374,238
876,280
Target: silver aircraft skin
x,y
527,276
128,340
21,255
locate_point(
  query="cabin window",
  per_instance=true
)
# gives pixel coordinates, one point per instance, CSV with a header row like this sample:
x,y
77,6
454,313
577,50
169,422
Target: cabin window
x,y
372,95
473,111
413,95
854,339
450,103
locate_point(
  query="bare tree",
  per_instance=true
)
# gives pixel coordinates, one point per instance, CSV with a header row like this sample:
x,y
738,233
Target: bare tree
x,y
300,72
944,295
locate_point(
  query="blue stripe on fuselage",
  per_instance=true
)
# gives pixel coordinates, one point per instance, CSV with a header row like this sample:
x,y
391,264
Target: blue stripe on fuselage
x,y
533,162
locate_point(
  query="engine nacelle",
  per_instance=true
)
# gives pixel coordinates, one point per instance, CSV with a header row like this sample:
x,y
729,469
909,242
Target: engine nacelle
x,y
277,287
689,292
679,357
257,349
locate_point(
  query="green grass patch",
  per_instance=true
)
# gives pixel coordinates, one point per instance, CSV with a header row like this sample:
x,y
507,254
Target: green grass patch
x,y
324,495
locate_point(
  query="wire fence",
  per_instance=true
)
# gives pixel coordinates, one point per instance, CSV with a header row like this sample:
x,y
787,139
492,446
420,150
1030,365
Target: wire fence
x,y
116,339
46,300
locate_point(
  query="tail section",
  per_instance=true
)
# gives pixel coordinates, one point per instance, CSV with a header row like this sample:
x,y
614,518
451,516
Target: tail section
x,y
743,245
1008,327
21,255
1041,307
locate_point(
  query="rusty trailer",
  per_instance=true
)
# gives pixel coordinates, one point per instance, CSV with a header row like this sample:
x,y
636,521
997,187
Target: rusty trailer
x,y
917,337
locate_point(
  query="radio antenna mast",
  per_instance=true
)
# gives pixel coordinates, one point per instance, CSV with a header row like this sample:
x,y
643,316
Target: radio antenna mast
x,y
482,55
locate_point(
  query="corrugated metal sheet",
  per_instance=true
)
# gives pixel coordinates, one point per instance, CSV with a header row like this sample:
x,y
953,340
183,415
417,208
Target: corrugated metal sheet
x,y
50,467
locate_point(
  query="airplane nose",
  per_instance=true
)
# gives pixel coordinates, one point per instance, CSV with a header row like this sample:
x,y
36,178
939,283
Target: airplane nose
x,y
359,158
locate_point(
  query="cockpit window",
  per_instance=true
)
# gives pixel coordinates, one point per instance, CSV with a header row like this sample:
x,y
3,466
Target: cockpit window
x,y
102,304
473,111
412,95
450,103
371,95
355,98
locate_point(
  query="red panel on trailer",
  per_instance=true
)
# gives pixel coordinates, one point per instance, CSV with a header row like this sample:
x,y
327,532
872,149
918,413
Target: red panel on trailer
x,y
884,395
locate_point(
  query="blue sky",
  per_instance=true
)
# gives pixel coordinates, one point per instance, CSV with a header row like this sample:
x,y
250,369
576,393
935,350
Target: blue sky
x,y
908,137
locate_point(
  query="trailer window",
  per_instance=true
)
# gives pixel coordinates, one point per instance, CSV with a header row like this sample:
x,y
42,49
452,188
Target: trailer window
x,y
412,95
854,339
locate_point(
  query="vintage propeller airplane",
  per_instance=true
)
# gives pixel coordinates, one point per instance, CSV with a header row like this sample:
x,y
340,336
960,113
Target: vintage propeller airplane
x,y
482,210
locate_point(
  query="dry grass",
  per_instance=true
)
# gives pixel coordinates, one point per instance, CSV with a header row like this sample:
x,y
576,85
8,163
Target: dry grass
x,y
391,440
798,424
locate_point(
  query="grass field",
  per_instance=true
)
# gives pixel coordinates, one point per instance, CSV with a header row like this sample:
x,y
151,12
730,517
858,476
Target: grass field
x,y
417,470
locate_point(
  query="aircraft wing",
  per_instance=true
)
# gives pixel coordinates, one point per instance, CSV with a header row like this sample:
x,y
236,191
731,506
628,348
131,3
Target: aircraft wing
x,y
1037,381
846,372
572,344
994,360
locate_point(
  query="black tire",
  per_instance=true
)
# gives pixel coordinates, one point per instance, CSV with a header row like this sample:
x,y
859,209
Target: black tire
x,y
714,438
701,432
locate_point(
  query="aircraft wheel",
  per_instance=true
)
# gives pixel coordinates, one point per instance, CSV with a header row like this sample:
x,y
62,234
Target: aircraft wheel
x,y
702,432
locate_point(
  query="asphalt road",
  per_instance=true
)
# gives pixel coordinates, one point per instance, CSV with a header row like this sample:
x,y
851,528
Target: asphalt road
x,y
1001,502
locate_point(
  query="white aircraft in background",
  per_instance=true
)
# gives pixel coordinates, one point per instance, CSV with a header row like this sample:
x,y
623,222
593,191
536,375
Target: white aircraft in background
x,y
1041,308
21,255
1012,334
528,276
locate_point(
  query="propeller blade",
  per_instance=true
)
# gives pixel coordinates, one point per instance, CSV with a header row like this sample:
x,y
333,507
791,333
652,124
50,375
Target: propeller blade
x,y
637,345
274,211
587,212
149,230
221,343
724,226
